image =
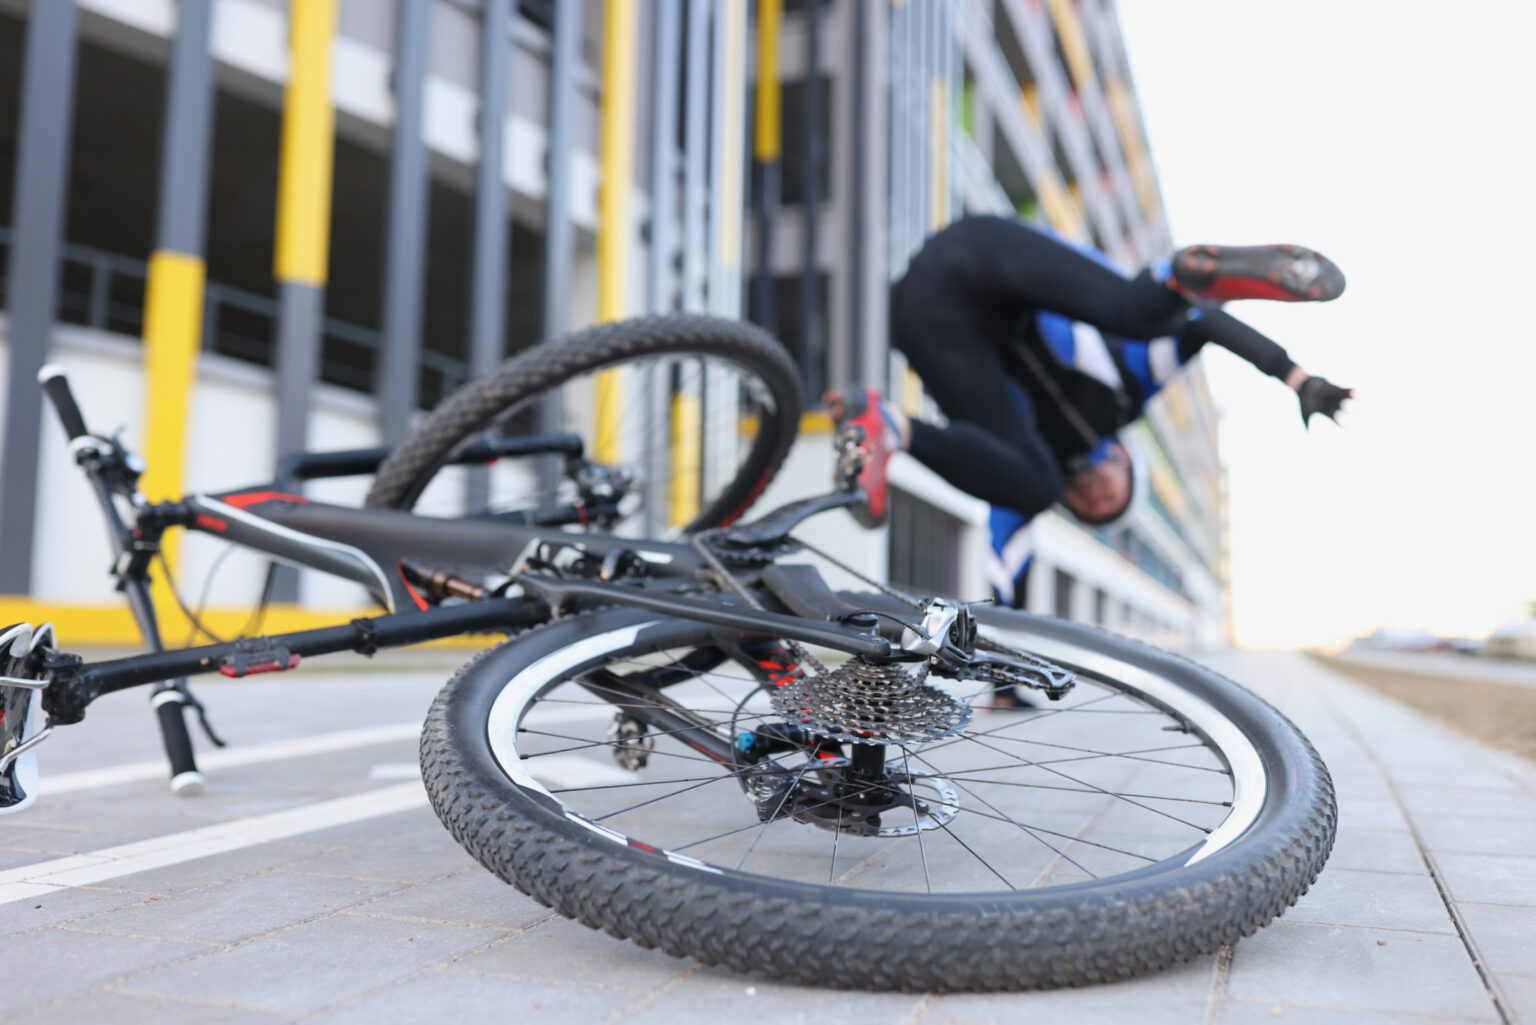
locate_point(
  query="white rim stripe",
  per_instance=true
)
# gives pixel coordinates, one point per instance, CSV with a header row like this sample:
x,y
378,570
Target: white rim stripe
x,y
1248,776
521,689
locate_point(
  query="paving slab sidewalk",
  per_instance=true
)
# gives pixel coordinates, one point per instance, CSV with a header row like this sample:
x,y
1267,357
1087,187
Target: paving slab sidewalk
x,y
1426,912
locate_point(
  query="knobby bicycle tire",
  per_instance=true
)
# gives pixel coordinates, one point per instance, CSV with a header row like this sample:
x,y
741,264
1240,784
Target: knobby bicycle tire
x,y
479,404
1072,934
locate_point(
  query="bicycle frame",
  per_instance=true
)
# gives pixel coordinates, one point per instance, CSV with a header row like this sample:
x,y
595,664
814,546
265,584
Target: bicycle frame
x,y
408,563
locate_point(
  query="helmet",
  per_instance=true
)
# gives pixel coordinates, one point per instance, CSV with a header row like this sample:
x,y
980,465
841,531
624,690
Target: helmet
x,y
1108,451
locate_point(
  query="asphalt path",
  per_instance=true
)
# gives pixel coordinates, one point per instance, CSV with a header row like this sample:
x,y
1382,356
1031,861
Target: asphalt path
x,y
311,882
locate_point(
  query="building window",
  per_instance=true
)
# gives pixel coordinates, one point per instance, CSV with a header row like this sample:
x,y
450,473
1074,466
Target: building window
x,y
787,323
1100,607
1011,175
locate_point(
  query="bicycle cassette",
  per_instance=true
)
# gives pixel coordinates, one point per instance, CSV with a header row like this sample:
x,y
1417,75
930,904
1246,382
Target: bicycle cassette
x,y
867,703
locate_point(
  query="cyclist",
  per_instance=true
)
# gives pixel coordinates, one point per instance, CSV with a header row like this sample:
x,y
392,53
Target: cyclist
x,y
1038,352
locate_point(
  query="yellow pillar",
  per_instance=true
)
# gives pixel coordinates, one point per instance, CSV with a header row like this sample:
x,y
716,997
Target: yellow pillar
x,y
173,315
620,33
304,174
766,127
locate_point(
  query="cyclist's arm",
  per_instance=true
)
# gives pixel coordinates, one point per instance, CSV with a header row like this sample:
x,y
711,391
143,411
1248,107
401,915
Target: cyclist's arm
x,y
1218,327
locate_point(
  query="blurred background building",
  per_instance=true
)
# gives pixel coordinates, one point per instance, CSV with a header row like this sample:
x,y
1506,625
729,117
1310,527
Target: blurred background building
x,y
251,226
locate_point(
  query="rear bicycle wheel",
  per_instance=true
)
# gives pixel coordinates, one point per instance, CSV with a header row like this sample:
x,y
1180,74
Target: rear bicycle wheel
x,y
1156,813
688,416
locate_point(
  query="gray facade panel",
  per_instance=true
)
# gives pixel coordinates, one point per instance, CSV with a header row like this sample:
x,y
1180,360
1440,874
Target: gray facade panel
x,y
371,22
559,233
399,384
37,217
488,265
667,65
186,149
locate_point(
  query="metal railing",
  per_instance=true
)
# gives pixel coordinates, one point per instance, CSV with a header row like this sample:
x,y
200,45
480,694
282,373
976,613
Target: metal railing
x,y
105,291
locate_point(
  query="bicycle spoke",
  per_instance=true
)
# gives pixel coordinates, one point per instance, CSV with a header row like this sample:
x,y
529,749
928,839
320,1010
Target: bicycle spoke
x,y
1089,754
756,825
972,852
1027,830
1082,790
587,745
836,835
1106,793
774,817
966,824
663,797
705,726
922,852
636,783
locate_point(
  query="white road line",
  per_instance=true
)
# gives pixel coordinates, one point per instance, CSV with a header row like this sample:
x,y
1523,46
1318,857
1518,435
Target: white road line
x,y
222,758
111,862
395,770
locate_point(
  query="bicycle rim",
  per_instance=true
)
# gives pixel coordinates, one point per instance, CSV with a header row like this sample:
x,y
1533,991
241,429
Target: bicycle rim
x,y
1165,812
1123,776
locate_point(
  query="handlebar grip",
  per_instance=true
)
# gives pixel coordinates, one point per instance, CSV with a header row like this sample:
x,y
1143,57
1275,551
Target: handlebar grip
x,y
170,709
56,384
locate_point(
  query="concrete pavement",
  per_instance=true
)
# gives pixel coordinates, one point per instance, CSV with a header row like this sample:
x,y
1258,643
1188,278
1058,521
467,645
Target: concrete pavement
x,y
312,883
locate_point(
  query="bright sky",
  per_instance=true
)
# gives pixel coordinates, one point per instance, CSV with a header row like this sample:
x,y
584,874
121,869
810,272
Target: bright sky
x,y
1398,139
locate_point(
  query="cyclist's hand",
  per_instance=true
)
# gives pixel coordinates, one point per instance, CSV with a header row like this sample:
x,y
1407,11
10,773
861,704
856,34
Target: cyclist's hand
x,y
1320,395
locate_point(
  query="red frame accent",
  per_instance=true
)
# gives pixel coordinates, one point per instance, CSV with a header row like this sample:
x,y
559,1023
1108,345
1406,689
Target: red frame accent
x,y
251,498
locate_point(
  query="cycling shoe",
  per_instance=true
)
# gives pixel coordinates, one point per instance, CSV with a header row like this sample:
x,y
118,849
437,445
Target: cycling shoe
x,y
1281,272
862,407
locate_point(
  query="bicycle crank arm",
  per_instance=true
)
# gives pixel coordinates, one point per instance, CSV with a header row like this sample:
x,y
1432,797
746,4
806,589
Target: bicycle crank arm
x,y
559,593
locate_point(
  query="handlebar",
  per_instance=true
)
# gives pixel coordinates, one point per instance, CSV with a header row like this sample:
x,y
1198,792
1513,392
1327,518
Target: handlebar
x,y
111,470
56,386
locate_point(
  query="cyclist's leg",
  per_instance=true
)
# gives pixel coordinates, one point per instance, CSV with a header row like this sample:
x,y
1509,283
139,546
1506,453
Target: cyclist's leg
x,y
994,256
1007,262
991,448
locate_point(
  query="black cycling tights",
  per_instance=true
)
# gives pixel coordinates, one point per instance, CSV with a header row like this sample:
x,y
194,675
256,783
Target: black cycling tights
x,y
960,306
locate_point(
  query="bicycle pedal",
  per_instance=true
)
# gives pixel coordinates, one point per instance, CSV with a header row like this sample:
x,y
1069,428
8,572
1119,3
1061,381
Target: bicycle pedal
x,y
258,655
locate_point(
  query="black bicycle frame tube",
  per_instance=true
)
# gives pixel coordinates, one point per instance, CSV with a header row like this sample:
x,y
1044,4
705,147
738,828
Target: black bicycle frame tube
x,y
233,522
74,686
366,545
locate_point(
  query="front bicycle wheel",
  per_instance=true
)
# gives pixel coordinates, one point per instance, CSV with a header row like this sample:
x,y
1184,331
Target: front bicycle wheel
x,y
682,419
638,773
